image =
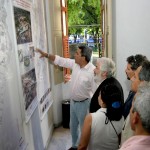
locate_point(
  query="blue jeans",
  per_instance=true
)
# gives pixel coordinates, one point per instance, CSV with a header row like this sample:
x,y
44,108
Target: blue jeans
x,y
78,111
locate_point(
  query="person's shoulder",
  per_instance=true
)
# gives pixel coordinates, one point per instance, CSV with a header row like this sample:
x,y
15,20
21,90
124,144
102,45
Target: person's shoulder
x,y
73,60
112,80
90,68
88,118
91,65
109,80
99,114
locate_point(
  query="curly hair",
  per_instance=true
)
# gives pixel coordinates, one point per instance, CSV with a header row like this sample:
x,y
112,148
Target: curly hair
x,y
136,61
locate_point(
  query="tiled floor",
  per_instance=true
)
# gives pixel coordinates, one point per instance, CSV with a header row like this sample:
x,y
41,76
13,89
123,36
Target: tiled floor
x,y
61,139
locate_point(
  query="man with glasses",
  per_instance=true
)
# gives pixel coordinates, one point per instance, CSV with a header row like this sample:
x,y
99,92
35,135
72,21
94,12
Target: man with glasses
x,y
82,87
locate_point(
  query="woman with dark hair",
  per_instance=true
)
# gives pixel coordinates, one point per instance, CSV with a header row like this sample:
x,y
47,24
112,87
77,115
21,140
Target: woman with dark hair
x,y
111,97
101,129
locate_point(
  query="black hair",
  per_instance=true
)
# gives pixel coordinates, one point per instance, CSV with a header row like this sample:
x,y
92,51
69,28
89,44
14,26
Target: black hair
x,y
86,51
136,61
112,96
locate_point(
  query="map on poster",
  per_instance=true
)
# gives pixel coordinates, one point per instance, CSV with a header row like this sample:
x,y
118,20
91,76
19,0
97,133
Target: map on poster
x,y
23,25
26,55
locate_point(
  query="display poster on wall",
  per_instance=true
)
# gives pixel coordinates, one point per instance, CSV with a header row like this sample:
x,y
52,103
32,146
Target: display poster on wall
x,y
26,55
11,137
41,64
31,34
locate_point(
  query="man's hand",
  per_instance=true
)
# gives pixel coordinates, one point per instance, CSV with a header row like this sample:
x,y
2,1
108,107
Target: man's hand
x,y
67,78
43,54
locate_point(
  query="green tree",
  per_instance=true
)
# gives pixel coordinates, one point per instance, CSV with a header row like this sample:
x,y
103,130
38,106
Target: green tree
x,y
84,12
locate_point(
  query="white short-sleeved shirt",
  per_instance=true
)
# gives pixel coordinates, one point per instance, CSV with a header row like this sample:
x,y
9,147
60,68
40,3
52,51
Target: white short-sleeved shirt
x,y
103,136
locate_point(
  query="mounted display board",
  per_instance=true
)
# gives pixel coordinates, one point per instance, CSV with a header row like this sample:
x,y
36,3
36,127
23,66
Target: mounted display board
x,y
11,132
31,33
41,64
24,77
25,46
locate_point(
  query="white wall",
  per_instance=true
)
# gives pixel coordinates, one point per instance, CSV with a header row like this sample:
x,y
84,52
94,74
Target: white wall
x,y
55,47
131,33
11,130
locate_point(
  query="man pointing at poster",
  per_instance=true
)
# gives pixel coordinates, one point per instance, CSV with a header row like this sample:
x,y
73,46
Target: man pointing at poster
x,y
82,87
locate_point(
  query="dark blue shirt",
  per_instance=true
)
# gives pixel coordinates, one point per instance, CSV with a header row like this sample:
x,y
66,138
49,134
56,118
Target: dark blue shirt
x,y
128,104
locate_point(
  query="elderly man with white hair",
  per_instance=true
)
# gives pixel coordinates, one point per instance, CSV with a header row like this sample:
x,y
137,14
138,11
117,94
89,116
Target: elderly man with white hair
x,y
105,68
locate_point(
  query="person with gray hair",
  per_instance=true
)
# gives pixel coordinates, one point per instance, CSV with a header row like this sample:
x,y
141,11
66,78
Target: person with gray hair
x,y
133,62
144,74
140,120
105,68
141,75
82,87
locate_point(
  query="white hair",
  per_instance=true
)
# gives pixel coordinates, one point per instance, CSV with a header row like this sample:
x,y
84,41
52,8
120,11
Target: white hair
x,y
108,65
142,104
